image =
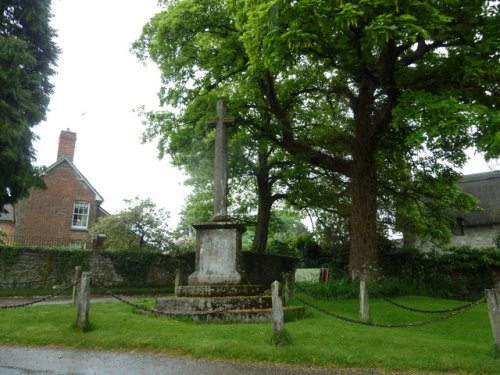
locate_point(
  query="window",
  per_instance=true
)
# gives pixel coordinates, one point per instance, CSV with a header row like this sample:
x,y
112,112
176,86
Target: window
x,y
80,215
457,228
76,245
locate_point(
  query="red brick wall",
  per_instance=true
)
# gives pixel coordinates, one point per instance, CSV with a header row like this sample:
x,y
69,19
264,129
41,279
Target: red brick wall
x,y
49,213
8,227
67,142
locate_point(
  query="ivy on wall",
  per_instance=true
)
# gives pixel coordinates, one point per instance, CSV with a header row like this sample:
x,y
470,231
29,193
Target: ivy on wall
x,y
133,266
8,258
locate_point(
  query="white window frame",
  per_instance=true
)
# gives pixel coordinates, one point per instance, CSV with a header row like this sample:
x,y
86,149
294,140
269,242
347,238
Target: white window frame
x,y
80,217
77,245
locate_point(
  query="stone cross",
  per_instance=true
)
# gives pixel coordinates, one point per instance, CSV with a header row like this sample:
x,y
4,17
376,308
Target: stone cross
x,y
220,175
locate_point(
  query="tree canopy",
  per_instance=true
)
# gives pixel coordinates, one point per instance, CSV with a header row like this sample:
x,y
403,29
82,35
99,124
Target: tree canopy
x,y
27,59
140,226
383,97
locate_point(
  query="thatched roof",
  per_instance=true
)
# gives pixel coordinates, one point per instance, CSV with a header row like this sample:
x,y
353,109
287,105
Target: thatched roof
x,y
486,188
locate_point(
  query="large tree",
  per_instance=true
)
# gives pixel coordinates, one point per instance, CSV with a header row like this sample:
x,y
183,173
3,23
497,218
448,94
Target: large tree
x,y
27,59
383,96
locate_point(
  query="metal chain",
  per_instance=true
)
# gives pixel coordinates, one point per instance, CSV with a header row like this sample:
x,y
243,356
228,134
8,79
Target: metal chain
x,y
444,311
338,298
155,311
382,325
45,298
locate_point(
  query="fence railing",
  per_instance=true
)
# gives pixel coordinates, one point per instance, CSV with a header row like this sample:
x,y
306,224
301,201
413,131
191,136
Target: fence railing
x,y
43,241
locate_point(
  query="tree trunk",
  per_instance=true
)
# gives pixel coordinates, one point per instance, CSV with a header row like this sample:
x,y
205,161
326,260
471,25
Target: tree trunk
x,y
262,228
265,203
363,255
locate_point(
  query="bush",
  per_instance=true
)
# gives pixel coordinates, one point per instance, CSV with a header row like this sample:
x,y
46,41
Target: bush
x,y
458,273
461,273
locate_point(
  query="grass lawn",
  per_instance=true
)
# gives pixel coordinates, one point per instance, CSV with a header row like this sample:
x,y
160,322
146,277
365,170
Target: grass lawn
x,y
462,343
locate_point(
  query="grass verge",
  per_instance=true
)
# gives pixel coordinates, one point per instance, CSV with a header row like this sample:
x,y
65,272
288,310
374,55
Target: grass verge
x,y
460,344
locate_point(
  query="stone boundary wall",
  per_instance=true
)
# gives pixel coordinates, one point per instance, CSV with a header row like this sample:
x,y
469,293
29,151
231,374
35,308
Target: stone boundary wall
x,y
48,268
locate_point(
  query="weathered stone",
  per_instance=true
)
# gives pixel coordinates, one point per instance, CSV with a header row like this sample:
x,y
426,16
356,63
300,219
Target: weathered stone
x,y
82,315
364,312
78,276
38,269
178,277
193,304
493,299
278,318
220,160
218,254
220,290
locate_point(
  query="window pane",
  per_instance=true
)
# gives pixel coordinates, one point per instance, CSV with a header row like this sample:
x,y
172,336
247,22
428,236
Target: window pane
x,y
81,214
77,245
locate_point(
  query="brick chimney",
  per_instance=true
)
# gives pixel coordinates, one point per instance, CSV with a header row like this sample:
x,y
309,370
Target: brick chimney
x,y
67,142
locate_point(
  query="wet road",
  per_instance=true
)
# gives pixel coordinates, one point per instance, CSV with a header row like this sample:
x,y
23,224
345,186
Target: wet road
x,y
22,360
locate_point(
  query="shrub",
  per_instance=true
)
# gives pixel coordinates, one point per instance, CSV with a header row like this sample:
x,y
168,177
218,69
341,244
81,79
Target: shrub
x,y
452,273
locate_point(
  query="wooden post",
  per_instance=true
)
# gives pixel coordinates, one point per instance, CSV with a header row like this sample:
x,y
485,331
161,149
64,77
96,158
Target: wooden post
x,y
493,299
364,314
278,320
178,278
82,315
78,275
288,287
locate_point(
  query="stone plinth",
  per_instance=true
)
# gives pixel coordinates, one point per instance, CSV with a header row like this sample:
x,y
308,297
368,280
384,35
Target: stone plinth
x,y
239,303
195,304
220,290
218,254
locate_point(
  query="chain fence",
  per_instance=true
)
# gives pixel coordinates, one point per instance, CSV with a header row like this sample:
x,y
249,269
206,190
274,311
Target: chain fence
x,y
443,311
342,297
171,314
42,299
153,311
451,313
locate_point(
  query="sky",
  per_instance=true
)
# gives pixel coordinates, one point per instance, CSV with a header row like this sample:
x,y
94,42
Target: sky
x,y
99,84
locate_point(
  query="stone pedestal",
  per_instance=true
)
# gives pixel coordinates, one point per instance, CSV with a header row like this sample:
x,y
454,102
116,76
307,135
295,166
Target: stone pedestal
x,y
218,254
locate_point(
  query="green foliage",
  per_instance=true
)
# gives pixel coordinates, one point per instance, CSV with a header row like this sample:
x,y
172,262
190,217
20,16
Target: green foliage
x,y
336,288
183,245
3,237
133,266
460,273
27,58
379,98
140,225
60,262
8,258
452,273
288,234
64,261
497,241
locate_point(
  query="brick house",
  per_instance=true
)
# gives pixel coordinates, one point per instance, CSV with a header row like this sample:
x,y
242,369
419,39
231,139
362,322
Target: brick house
x,y
479,229
60,215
